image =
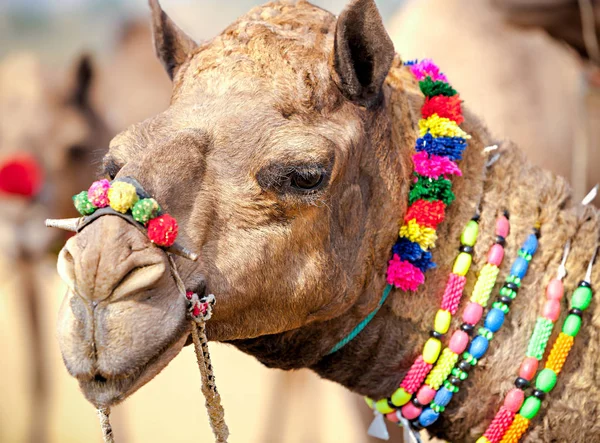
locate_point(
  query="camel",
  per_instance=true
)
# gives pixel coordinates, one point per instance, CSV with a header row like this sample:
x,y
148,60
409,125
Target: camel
x,y
285,156
51,122
524,84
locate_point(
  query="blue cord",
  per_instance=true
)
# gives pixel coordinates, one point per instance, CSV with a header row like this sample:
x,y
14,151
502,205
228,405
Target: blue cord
x,y
347,339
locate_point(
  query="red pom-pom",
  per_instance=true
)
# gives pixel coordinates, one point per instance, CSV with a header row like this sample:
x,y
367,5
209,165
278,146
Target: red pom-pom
x,y
426,213
21,175
162,230
448,107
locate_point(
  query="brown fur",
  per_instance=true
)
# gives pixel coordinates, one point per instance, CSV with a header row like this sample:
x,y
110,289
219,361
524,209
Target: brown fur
x,y
294,273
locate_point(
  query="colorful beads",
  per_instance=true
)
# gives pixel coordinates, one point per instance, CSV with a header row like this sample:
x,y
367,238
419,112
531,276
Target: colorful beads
x,y
383,407
502,226
496,255
551,310
400,397
572,325
470,233
472,313
82,203
528,368
410,411
519,267
458,342
555,289
453,292
145,210
514,399
98,193
539,338
442,369
431,350
415,375
479,346
426,395
516,430
163,230
442,320
485,284
494,320
546,380
462,264
560,351
582,297
530,407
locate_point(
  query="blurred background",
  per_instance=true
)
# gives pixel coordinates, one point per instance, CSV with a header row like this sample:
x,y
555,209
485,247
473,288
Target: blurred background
x,y
73,73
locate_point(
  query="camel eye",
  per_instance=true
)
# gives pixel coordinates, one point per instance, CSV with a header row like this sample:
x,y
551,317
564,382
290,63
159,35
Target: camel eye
x,y
110,168
306,181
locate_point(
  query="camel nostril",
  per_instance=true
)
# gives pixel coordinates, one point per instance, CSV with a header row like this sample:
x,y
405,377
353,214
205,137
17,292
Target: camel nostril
x,y
99,378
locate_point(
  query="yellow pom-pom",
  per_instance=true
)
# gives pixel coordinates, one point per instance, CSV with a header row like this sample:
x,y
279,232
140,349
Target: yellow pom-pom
x,y
424,236
441,127
122,196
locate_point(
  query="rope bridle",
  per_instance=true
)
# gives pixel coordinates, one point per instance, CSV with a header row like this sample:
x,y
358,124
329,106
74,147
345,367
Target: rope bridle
x,y
199,311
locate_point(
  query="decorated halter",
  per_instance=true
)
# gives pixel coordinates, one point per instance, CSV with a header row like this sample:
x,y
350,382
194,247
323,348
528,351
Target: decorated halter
x,y
126,198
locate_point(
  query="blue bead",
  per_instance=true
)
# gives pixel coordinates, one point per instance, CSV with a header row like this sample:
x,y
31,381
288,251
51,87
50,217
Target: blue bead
x,y
443,397
479,346
428,417
519,267
494,319
531,244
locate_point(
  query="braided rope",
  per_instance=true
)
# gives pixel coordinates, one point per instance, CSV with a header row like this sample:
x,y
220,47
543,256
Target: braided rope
x,y
453,293
560,351
107,433
415,375
485,284
539,338
442,369
499,425
516,430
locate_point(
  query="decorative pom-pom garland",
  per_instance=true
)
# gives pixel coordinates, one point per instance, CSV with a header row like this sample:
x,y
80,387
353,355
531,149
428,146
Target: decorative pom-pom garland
x,y
21,175
440,145
123,197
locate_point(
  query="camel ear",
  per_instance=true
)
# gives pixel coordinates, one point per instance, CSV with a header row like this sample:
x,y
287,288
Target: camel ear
x,y
82,79
172,45
363,52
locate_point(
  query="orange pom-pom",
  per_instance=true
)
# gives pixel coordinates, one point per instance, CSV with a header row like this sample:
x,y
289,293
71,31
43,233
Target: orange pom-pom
x,y
163,230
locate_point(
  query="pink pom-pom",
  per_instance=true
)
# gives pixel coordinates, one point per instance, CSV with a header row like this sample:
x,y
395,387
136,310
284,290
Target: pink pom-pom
x,y
404,275
98,193
434,166
427,68
163,230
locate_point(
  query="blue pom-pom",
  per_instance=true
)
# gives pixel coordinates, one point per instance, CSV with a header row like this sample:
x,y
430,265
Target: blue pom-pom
x,y
494,320
531,244
519,267
479,346
413,253
428,417
451,147
443,397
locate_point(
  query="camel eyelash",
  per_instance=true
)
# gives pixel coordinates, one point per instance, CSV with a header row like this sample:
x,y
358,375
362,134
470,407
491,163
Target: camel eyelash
x,y
110,168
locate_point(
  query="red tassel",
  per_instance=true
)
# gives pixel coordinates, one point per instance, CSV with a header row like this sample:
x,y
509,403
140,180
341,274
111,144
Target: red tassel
x,y
448,107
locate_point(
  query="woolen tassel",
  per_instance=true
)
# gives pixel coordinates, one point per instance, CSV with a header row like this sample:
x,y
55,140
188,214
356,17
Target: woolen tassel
x,y
427,189
426,213
448,107
404,275
441,127
413,253
163,230
434,166
427,68
451,147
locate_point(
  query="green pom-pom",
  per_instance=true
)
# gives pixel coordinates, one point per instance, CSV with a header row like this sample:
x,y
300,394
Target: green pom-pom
x,y
432,88
431,190
82,204
145,210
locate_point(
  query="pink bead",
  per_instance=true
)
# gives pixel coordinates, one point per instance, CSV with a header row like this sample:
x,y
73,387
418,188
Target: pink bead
x,y
472,313
426,394
458,342
528,368
551,310
393,417
410,411
496,255
514,399
502,227
555,290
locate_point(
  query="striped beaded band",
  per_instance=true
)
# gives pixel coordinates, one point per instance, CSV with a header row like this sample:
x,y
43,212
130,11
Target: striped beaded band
x,y
480,343
534,354
440,145
547,377
431,350
123,197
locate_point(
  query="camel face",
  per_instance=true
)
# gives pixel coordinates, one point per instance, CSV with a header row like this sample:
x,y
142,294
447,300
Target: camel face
x,y
56,127
268,158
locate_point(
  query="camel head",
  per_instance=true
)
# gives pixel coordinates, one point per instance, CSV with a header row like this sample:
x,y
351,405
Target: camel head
x,y
50,123
274,156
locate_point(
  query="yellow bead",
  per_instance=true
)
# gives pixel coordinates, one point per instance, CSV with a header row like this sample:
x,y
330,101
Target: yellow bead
x,y
369,402
122,196
400,397
383,407
482,439
462,264
431,350
442,320
469,235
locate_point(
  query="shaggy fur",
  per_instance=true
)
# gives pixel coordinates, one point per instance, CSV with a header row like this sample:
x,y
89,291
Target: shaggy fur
x,y
295,271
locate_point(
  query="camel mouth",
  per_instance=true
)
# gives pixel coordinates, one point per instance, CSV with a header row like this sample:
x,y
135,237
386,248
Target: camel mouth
x,y
103,390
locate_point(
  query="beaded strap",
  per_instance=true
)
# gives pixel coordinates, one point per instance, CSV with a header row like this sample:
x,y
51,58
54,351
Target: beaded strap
x,y
431,350
547,377
535,352
480,343
440,145
459,340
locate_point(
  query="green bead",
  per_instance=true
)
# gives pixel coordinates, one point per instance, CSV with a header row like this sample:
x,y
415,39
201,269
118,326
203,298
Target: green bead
x,y
546,380
469,235
530,407
582,297
145,210
82,203
503,307
572,325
